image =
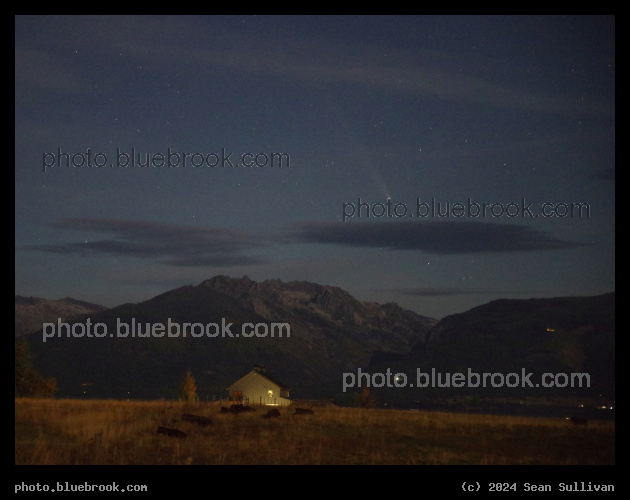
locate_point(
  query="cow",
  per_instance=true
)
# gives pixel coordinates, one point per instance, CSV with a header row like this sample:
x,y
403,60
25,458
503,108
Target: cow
x,y
303,411
578,420
196,419
241,409
171,432
272,414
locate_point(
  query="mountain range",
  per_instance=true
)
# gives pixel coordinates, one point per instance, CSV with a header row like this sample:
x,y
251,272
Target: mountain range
x,y
331,334
526,338
32,312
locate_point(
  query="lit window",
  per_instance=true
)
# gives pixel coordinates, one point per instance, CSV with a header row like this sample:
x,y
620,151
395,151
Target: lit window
x,y
270,393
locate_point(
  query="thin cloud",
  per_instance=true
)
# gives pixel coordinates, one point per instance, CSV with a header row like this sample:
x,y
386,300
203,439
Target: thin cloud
x,y
449,291
419,73
189,246
607,174
440,237
171,244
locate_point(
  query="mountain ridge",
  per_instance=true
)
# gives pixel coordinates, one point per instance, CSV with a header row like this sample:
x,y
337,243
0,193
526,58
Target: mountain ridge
x,y
330,332
560,335
31,312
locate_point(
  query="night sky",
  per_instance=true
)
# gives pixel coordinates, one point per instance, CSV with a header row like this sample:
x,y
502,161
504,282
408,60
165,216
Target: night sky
x,y
509,111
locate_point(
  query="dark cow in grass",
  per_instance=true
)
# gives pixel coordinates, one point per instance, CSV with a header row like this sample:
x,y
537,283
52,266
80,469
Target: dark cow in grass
x,y
171,432
578,420
303,411
241,409
196,419
234,409
272,414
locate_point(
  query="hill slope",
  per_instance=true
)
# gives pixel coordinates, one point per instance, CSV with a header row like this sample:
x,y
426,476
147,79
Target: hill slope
x,y
558,336
31,312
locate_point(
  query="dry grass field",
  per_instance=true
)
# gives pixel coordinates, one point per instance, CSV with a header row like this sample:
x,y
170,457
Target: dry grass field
x,y
94,432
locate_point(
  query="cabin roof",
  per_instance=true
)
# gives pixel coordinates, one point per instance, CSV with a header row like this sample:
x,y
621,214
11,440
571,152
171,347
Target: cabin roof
x,y
273,379
263,373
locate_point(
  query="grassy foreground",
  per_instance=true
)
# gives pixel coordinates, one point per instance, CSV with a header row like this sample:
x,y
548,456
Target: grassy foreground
x,y
93,432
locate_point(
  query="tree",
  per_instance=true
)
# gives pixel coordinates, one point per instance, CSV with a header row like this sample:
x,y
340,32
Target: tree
x,y
28,381
365,399
188,388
